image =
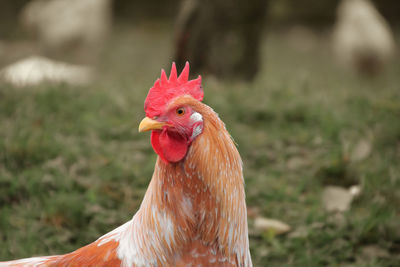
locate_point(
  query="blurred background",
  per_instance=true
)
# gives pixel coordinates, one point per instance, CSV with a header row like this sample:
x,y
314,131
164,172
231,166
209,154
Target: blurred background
x,y
310,91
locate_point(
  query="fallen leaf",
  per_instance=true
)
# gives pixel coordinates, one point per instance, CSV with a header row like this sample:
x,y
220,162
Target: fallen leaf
x,y
335,198
300,232
277,227
296,162
361,150
374,251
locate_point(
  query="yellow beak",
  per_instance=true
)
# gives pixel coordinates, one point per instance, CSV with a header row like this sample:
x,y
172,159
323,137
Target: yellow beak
x,y
148,124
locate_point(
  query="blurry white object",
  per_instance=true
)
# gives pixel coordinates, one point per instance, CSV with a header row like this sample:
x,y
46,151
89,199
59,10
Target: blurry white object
x,y
35,70
264,225
361,150
362,39
355,190
336,198
64,22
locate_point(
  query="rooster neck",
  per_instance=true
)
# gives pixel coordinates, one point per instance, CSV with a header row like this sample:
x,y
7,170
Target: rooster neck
x,y
193,207
210,172
203,195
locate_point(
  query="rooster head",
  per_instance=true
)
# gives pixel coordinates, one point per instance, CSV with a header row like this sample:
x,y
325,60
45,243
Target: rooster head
x,y
174,122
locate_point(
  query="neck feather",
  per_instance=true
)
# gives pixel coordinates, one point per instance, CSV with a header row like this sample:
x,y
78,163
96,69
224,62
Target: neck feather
x,y
199,198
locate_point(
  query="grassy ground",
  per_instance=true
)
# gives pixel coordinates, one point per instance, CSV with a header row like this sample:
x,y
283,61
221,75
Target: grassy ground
x,y
73,167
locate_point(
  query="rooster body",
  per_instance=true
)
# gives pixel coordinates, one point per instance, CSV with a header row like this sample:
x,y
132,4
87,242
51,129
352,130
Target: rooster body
x,y
194,210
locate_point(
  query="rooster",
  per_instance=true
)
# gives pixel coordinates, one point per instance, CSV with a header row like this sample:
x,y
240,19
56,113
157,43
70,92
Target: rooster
x,y
194,210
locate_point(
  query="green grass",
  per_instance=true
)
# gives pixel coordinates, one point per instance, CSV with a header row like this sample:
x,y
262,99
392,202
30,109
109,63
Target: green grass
x,y
73,167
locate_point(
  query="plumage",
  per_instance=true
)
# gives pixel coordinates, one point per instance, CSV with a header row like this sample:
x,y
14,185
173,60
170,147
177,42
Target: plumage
x,y
194,210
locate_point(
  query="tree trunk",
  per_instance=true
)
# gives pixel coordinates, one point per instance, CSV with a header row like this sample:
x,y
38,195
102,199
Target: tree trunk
x,y
221,37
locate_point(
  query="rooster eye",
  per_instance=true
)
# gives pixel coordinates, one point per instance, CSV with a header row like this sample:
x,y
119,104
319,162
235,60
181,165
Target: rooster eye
x,y
180,111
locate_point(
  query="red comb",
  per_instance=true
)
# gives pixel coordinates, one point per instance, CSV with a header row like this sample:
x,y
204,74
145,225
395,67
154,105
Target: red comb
x,y
165,89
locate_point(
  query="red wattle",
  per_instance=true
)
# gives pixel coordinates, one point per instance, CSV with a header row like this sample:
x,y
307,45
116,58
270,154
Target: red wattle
x,y
170,146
